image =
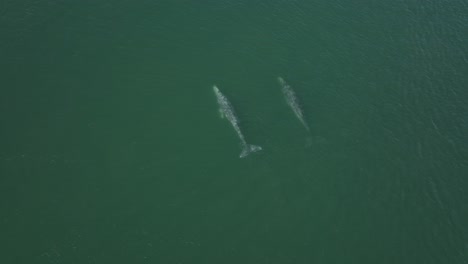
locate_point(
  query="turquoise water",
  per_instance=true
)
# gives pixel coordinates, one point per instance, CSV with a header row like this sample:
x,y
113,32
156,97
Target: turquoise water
x,y
113,150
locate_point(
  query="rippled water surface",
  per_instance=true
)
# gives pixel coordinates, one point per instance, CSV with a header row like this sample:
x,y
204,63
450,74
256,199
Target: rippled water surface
x,y
113,150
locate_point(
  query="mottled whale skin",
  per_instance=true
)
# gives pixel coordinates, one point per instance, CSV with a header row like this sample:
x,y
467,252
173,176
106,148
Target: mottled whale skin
x,y
291,100
226,110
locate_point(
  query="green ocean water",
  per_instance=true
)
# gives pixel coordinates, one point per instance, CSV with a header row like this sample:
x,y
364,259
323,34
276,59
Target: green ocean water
x,y
112,149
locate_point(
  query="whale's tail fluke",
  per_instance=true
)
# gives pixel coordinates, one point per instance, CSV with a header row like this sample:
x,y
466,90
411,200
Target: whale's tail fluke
x,y
249,149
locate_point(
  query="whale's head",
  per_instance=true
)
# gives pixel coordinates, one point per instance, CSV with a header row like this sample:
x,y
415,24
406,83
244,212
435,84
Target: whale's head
x,y
281,80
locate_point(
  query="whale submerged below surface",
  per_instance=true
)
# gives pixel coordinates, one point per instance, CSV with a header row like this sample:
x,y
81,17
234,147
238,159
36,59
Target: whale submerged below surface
x,y
226,110
291,100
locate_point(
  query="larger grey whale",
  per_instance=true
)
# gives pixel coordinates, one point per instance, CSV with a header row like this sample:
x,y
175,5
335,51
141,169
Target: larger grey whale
x,y
226,110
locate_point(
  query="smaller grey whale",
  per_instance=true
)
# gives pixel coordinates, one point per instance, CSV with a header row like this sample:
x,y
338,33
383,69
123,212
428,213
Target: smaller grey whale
x,y
291,100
